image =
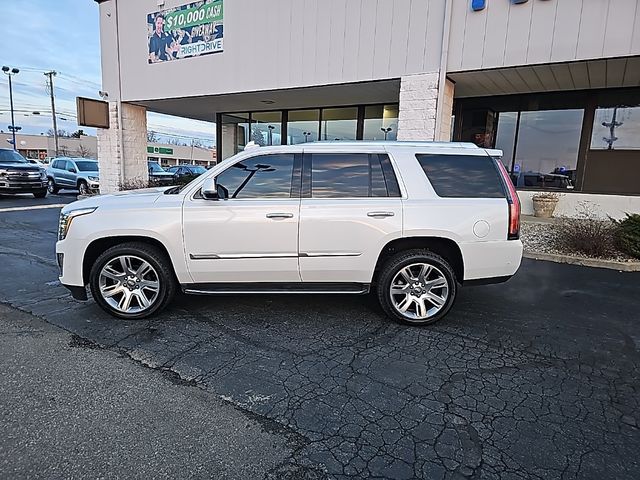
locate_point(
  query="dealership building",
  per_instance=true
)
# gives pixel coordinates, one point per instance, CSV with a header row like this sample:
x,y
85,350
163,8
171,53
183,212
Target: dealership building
x,y
555,84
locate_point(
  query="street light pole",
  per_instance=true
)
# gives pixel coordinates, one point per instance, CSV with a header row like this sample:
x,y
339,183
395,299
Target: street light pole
x,y
50,75
11,72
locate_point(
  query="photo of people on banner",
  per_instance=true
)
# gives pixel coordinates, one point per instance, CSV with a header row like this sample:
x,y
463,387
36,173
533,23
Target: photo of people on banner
x,y
186,31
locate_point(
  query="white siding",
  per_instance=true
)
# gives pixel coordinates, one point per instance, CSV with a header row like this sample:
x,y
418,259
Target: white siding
x,y
541,31
280,44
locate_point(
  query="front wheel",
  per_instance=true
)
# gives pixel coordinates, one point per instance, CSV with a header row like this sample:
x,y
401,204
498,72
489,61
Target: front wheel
x,y
132,280
40,194
83,188
416,287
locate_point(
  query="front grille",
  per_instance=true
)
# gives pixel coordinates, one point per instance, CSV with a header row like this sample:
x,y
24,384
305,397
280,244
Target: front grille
x,y
23,176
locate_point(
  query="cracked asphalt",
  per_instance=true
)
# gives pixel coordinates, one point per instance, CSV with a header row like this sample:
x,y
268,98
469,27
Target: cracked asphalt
x,y
535,378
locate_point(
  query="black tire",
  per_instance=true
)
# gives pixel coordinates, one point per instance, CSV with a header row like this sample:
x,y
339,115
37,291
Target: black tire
x,y
40,194
52,187
83,188
394,265
156,258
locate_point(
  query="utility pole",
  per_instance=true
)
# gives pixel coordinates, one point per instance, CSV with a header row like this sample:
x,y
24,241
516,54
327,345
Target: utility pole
x,y
50,76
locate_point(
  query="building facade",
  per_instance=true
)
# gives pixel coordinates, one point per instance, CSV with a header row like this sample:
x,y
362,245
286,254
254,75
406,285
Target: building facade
x,y
555,84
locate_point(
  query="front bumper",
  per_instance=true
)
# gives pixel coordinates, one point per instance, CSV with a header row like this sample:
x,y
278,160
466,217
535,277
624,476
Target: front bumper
x,y
12,186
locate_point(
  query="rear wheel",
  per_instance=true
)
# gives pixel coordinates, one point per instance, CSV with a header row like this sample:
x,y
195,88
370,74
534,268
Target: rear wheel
x,y
52,187
132,280
416,287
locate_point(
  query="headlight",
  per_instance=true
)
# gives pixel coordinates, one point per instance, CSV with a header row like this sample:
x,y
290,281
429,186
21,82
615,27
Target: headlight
x,y
3,172
43,174
93,179
66,218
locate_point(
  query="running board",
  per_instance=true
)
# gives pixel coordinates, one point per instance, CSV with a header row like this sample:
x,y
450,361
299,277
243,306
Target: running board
x,y
274,288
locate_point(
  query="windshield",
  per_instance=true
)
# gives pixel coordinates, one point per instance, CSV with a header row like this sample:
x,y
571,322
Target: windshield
x,y
86,166
11,156
198,170
155,168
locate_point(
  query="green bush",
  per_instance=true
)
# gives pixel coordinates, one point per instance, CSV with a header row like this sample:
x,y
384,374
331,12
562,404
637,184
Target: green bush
x,y
628,235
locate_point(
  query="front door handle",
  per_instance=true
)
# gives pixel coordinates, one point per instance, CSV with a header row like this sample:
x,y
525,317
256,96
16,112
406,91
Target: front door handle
x,y
380,214
279,215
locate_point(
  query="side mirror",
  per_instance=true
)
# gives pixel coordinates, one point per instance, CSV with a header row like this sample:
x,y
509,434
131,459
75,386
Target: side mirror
x,y
73,170
210,189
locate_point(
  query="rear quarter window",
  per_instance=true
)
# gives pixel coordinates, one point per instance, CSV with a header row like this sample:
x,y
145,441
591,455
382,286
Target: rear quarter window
x,y
462,176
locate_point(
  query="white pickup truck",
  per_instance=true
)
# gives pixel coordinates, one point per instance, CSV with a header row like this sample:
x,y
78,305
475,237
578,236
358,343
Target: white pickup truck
x,y
410,221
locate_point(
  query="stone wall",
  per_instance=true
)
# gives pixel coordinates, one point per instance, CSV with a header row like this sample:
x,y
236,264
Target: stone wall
x,y
418,100
134,147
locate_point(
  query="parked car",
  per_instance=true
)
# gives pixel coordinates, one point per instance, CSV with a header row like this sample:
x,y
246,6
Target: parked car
x,y
73,173
17,175
541,180
409,221
159,175
186,170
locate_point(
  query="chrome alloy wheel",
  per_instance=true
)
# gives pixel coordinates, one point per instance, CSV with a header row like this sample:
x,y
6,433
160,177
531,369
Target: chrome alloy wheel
x,y
129,284
419,291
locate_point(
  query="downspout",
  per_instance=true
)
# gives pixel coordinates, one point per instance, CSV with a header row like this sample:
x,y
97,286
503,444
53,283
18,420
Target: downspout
x,y
119,103
444,55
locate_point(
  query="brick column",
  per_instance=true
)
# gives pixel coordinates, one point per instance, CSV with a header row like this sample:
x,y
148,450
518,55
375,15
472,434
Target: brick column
x,y
419,108
130,139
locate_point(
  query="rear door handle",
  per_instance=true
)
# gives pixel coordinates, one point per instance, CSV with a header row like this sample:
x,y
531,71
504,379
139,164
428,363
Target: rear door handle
x,y
380,214
279,215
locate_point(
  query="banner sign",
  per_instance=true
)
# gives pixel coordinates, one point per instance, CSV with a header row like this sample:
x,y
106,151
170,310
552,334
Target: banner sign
x,y
187,31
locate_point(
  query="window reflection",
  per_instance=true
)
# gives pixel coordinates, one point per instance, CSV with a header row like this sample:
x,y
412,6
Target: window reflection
x,y
548,143
264,176
303,126
339,175
266,128
339,123
616,128
380,122
506,136
235,133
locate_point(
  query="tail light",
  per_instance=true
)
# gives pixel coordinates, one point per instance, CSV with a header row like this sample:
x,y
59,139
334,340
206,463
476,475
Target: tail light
x,y
514,203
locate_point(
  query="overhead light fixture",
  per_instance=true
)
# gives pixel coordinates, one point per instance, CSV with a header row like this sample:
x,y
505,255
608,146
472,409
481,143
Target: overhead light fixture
x,y
268,102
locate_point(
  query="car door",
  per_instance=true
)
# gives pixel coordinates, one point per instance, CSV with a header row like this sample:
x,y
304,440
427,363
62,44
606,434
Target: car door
x,y
250,233
61,173
72,174
351,207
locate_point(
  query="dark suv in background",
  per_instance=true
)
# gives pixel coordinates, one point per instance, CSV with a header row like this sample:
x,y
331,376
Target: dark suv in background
x,y
17,175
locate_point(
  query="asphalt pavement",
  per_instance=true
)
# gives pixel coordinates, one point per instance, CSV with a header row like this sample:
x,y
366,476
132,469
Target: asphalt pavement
x,y
535,378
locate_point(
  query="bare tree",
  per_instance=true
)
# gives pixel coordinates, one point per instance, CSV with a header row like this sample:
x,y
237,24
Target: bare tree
x,y
64,151
84,152
61,133
152,136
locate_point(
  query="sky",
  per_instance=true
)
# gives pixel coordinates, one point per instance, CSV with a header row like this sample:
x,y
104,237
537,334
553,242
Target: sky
x,y
63,35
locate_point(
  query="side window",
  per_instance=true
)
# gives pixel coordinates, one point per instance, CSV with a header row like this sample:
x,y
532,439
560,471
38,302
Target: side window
x,y
343,175
71,165
462,176
263,176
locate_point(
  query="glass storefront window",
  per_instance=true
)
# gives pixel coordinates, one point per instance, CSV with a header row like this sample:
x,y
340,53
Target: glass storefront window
x,y
380,122
266,128
339,123
506,136
235,133
616,128
303,126
547,148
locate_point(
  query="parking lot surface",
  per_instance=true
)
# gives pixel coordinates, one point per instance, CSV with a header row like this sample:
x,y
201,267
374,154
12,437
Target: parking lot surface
x,y
535,378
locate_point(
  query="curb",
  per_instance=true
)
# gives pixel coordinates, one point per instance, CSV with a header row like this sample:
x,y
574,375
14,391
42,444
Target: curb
x,y
584,262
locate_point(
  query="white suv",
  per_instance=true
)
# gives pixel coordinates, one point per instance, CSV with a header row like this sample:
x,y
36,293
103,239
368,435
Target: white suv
x,y
410,221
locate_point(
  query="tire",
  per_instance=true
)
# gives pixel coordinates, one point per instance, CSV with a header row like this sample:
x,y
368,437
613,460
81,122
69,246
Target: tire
x,y
83,188
109,289
437,299
40,194
52,187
